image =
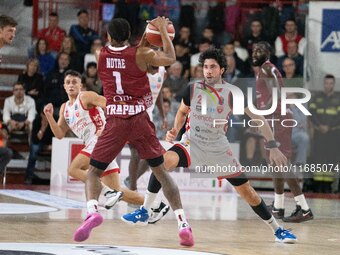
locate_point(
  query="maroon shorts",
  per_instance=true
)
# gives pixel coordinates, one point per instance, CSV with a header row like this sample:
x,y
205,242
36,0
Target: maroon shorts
x,y
138,130
283,134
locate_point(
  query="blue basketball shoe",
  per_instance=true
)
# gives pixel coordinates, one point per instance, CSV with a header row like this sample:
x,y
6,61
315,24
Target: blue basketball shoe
x,y
284,236
138,217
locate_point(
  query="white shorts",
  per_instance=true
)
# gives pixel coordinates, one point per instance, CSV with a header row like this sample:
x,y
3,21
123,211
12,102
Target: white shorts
x,y
87,151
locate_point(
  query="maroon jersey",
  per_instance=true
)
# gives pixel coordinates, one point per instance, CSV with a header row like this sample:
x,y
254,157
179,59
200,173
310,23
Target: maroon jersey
x,y
263,93
125,86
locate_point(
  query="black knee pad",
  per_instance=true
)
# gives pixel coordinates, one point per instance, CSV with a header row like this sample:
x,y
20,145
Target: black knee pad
x,y
183,158
238,181
154,162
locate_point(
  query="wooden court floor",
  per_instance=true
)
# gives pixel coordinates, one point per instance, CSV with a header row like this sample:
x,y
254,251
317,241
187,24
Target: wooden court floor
x,y
221,223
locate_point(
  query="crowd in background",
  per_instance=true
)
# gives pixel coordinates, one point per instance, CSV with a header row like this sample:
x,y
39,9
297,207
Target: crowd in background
x,y
199,25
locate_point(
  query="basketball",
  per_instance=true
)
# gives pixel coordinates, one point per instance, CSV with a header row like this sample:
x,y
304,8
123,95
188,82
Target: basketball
x,y
154,36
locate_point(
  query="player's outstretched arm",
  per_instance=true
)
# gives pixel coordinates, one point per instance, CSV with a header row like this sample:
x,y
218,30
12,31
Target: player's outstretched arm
x,y
59,129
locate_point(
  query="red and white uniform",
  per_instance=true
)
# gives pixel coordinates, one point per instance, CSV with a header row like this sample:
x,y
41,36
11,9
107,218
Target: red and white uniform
x,y
85,124
205,143
156,81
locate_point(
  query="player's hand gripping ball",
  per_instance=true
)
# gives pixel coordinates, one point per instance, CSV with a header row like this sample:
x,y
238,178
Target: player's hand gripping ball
x,y
154,36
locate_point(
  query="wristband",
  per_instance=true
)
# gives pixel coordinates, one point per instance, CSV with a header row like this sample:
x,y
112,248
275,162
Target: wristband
x,y
272,144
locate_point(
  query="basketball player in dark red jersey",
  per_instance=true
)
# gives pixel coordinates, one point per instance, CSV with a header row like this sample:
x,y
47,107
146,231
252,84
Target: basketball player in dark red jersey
x,y
7,30
122,71
267,78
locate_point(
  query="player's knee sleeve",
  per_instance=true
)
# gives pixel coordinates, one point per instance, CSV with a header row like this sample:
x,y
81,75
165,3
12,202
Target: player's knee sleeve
x,y
238,181
154,185
183,158
154,162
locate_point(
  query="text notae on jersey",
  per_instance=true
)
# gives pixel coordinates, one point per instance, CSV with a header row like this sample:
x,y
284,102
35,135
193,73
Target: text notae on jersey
x,y
84,123
125,86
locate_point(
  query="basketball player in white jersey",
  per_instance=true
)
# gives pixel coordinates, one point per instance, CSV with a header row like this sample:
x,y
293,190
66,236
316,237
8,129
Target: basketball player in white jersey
x,y
83,114
208,142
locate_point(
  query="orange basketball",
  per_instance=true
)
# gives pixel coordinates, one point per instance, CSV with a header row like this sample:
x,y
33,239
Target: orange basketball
x,y
154,36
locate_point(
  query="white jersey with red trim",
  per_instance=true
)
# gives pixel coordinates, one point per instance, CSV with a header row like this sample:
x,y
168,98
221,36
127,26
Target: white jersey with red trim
x,y
208,117
84,123
156,81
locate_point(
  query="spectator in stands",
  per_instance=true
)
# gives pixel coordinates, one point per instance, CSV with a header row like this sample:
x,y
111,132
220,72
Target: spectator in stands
x,y
19,111
203,45
290,34
209,34
231,74
289,72
198,74
182,55
33,81
167,94
256,35
82,34
90,57
300,137
158,120
41,140
229,50
185,38
54,83
76,60
325,110
292,52
168,8
175,79
91,81
53,34
5,152
46,60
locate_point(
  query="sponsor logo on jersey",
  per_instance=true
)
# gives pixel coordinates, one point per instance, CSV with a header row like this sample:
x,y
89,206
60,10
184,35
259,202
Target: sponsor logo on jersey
x,y
125,109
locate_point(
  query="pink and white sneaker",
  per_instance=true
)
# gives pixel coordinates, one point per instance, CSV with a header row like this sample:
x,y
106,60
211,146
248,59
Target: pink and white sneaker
x,y
83,232
185,235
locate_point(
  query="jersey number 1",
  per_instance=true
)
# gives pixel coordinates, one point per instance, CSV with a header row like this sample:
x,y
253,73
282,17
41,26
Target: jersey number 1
x,y
119,88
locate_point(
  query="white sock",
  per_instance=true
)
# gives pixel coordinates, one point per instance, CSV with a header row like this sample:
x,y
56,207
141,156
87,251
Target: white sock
x,y
301,201
272,223
105,189
92,206
279,201
180,216
149,199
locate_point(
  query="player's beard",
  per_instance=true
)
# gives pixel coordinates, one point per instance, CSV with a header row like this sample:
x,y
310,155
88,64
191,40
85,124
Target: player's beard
x,y
213,81
259,61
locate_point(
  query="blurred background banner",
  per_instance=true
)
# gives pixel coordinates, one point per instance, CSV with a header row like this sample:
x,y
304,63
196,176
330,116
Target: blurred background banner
x,y
323,43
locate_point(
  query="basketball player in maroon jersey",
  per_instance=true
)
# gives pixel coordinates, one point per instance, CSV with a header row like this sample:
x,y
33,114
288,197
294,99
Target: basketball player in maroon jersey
x,y
267,78
122,71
